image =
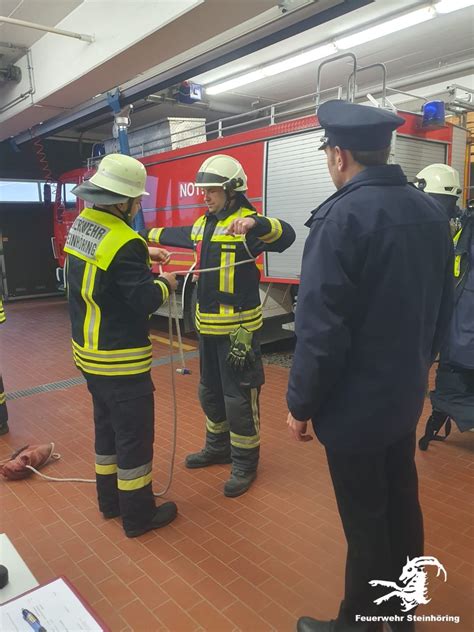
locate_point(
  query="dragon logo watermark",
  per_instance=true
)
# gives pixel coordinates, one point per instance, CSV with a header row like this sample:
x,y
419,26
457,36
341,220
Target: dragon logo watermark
x,y
413,590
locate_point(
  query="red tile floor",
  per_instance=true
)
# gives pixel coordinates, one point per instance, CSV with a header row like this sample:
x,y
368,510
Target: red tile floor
x,y
249,564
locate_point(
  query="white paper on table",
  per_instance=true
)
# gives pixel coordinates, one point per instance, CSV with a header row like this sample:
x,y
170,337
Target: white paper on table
x,y
57,607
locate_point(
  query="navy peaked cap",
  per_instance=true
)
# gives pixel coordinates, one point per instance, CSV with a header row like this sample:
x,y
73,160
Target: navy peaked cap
x,y
357,127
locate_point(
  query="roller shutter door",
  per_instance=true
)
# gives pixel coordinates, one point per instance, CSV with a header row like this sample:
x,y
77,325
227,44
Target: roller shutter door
x,y
413,154
297,181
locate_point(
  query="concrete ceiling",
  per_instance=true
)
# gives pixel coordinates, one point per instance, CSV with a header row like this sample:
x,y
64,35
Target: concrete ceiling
x,y
426,57
143,34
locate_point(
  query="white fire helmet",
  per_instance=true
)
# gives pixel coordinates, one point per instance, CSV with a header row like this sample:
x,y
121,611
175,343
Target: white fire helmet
x,y
222,171
439,178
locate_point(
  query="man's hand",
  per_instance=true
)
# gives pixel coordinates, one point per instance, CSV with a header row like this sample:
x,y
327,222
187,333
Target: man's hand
x,y
159,255
241,226
297,429
171,278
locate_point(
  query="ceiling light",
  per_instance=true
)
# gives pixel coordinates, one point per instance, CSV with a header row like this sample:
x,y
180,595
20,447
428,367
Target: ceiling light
x,y
250,77
342,43
273,69
446,6
391,26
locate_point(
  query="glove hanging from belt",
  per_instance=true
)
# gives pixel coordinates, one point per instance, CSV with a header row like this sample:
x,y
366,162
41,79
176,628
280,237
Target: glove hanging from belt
x,y
241,355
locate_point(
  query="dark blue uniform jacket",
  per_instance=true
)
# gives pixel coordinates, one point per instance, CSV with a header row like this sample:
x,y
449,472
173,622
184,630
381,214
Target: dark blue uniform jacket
x,y
373,305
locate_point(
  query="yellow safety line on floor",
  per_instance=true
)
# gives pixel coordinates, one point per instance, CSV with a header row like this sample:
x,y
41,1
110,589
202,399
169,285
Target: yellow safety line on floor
x,y
175,344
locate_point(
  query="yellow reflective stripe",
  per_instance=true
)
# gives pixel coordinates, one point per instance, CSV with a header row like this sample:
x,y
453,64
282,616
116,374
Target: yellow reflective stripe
x,y
105,470
457,265
457,258
3,398
114,354
224,238
217,427
103,353
226,309
275,232
93,315
119,369
241,441
457,236
197,230
255,411
136,483
213,330
164,289
216,318
227,272
154,235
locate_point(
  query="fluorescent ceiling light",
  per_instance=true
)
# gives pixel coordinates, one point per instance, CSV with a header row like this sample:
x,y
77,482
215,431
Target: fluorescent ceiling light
x,y
391,26
273,69
342,43
446,6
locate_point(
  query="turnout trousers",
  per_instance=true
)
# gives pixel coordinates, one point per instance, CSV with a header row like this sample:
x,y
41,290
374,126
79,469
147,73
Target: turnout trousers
x,y
377,497
124,435
230,401
3,403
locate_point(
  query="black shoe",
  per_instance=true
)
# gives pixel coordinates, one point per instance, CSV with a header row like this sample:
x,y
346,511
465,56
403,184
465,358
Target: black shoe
x,y
108,515
164,514
308,624
238,483
205,458
4,429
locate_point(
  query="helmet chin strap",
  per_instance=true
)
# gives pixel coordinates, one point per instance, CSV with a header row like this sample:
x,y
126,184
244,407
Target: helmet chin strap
x,y
127,215
228,199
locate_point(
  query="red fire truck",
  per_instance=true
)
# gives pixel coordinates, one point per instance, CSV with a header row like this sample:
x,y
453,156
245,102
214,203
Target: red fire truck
x,y
287,178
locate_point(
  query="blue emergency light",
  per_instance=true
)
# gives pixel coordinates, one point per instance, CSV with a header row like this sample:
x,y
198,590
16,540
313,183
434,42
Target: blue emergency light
x,y
433,114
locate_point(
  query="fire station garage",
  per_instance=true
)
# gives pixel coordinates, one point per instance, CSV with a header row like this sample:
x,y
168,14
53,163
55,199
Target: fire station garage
x,y
237,315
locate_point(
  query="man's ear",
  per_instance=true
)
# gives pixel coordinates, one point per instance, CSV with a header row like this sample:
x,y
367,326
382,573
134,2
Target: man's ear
x,y
343,157
339,158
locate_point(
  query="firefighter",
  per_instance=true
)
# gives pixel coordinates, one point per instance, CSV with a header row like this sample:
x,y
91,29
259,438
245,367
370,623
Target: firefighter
x,y
228,315
111,293
442,183
3,398
373,306
453,396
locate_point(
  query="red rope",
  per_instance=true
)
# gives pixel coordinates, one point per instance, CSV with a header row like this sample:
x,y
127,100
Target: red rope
x,y
43,160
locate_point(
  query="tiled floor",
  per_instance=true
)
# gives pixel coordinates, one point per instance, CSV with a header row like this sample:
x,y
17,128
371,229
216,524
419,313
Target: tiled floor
x,y
249,564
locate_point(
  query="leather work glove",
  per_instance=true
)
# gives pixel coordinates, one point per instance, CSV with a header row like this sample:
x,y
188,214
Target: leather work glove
x,y
241,354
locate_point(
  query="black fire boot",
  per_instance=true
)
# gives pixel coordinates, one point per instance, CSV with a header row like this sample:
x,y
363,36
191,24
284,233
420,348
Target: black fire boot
x,y
113,513
164,514
308,624
4,428
205,458
238,483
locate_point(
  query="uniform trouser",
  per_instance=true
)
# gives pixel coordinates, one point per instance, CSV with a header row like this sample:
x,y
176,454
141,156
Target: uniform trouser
x,y
3,403
230,401
124,434
377,497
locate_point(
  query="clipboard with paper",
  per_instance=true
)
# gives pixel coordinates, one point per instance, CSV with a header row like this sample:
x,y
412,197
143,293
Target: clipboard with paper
x,y
56,605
